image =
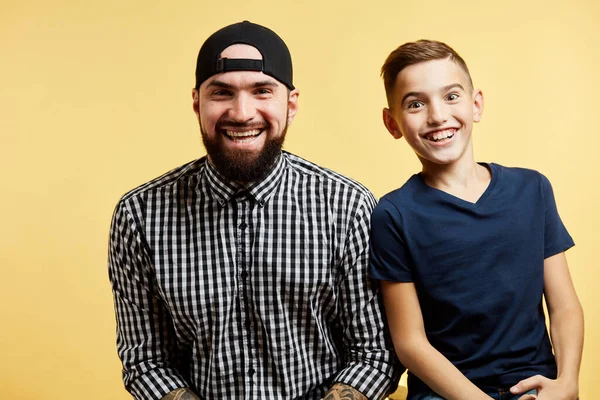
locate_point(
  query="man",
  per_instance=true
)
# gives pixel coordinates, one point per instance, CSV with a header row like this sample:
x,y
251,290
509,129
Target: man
x,y
244,274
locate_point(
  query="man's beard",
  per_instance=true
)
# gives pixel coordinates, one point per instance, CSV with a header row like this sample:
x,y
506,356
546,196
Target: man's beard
x,y
240,165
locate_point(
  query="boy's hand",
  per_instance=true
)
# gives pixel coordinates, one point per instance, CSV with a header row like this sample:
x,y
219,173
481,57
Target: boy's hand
x,y
548,389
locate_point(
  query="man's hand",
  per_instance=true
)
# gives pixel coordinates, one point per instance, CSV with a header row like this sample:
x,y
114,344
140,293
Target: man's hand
x,y
181,394
339,391
548,389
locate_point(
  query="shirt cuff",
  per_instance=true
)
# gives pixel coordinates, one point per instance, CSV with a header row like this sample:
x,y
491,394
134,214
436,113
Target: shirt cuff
x,y
370,381
156,383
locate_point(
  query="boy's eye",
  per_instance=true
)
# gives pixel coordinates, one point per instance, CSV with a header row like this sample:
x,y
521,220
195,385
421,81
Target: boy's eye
x,y
452,96
415,104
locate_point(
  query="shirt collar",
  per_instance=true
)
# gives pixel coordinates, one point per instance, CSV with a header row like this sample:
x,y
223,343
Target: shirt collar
x,y
224,190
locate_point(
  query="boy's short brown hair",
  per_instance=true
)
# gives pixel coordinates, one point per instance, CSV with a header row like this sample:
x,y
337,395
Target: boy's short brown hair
x,y
413,53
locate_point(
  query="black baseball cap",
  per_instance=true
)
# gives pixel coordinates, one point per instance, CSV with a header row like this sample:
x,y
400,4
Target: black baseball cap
x,y
276,59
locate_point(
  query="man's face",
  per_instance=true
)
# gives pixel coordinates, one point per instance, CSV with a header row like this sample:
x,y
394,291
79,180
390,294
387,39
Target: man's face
x,y
243,117
434,108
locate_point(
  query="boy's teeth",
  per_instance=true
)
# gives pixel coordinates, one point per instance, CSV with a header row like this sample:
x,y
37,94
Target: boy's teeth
x,y
441,135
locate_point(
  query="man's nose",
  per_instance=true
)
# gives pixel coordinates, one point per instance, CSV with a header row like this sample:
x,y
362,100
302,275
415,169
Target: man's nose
x,y
242,108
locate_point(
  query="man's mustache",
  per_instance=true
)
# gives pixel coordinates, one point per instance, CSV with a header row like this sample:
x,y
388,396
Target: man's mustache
x,y
247,125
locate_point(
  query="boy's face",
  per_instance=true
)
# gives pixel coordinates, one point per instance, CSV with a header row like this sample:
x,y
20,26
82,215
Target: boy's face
x,y
433,108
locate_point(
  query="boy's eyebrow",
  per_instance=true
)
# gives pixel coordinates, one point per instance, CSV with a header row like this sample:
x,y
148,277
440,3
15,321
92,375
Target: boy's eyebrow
x,y
444,89
454,85
409,94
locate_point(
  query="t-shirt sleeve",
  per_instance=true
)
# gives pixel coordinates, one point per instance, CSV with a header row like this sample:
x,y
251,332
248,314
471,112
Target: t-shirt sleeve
x,y
389,255
556,237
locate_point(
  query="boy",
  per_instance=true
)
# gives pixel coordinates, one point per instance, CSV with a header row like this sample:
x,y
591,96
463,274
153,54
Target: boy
x,y
465,250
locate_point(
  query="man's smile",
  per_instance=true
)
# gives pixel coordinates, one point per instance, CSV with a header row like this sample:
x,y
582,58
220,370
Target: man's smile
x,y
242,136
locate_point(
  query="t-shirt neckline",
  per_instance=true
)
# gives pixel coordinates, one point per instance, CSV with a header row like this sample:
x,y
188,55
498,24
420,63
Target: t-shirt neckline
x,y
494,172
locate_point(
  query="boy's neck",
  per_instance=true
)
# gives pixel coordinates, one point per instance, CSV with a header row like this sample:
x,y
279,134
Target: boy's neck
x,y
464,179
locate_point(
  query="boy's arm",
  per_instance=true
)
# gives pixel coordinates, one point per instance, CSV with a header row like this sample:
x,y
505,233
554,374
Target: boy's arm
x,y
414,350
566,330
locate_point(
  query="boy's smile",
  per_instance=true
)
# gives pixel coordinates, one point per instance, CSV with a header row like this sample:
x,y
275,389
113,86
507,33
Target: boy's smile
x,y
433,108
441,136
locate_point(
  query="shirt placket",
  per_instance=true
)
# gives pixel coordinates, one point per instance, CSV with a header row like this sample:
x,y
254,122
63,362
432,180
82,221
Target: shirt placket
x,y
245,298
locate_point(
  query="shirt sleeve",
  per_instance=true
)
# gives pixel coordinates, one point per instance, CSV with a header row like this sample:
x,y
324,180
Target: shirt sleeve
x,y
371,366
145,338
556,237
389,257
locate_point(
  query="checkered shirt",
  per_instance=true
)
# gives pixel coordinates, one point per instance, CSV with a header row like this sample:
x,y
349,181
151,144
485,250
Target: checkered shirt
x,y
256,292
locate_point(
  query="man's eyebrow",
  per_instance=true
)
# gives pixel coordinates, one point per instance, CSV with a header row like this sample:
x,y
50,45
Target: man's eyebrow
x,y
444,89
265,83
218,83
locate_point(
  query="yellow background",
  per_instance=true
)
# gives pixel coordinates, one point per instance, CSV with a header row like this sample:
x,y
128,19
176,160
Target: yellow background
x,y
95,99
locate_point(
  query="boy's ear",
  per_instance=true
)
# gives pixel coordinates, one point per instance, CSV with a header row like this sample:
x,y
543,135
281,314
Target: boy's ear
x,y
477,105
391,124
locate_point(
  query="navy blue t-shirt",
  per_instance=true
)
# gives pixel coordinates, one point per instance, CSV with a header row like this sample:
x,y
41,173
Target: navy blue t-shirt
x,y
478,269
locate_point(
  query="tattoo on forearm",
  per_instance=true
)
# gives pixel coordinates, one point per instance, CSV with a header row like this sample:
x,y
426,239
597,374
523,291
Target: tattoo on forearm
x,y
339,391
181,394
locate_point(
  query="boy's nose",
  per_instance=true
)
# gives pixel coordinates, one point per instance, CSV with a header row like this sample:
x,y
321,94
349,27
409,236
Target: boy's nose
x,y
438,113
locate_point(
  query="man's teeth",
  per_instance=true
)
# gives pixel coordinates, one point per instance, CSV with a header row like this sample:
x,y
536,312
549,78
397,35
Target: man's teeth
x,y
446,134
235,134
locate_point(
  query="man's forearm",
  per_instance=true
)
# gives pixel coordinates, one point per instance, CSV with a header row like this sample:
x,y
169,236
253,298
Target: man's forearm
x,y
181,394
339,391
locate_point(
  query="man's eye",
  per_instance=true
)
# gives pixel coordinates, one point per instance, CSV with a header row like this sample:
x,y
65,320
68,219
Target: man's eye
x,y
220,93
262,91
452,96
415,104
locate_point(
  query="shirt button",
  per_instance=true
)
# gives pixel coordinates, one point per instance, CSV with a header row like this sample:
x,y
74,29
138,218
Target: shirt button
x,y
244,274
248,324
251,371
243,226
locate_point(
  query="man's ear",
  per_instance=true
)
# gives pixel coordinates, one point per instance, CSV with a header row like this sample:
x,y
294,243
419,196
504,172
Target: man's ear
x,y
196,102
477,105
292,105
391,124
